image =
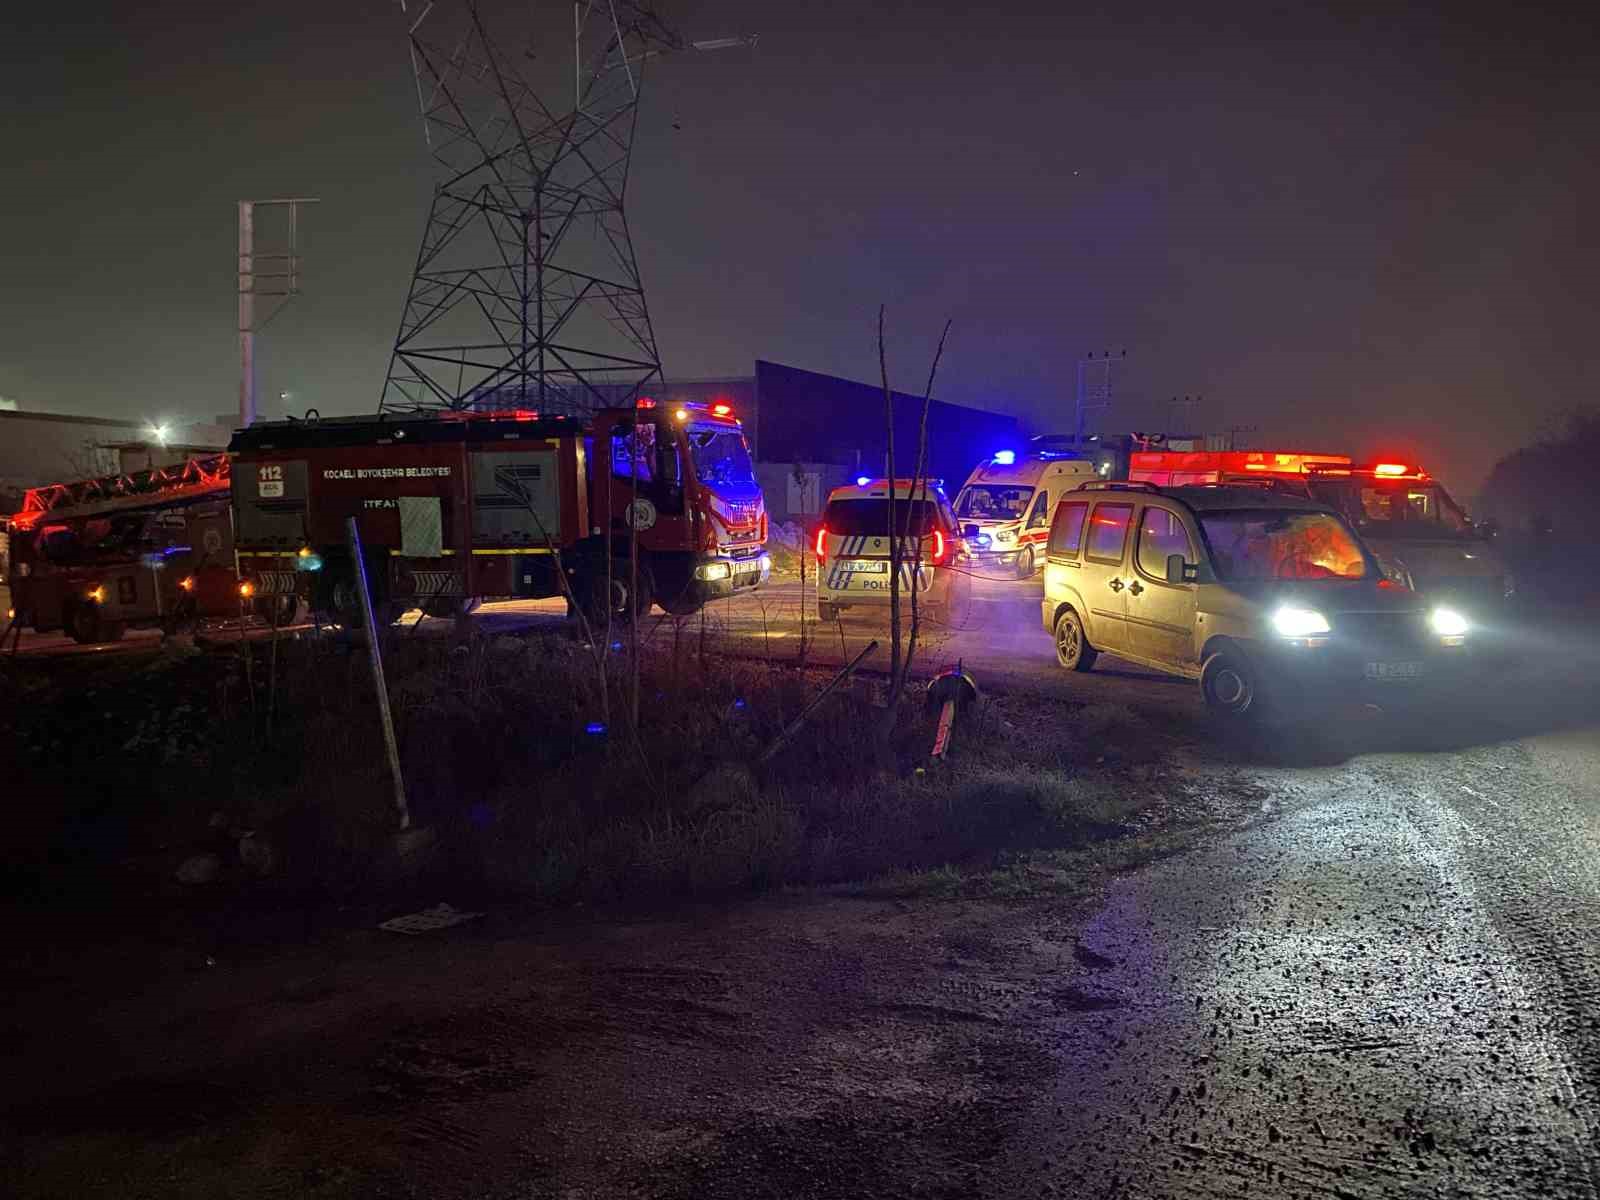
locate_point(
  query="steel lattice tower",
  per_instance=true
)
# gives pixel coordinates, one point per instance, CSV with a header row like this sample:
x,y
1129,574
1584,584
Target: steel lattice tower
x,y
526,292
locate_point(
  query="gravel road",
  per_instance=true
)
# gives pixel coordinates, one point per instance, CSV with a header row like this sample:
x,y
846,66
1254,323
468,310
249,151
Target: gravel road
x,y
1380,978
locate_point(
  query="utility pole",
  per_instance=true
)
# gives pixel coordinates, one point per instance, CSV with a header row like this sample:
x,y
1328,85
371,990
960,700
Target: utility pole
x,y
274,275
1187,403
1094,388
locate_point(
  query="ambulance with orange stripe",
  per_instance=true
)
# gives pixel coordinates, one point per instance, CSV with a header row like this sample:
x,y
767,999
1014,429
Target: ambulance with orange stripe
x,y
1004,507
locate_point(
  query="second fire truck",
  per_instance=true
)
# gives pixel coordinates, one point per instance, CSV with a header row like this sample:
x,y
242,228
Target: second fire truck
x,y
465,506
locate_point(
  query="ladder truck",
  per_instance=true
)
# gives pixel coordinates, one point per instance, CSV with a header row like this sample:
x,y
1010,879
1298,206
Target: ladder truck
x,y
151,548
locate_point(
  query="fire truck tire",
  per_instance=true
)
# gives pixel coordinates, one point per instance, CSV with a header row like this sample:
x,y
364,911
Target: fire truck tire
x,y
82,621
591,592
280,610
1025,563
681,606
449,606
344,605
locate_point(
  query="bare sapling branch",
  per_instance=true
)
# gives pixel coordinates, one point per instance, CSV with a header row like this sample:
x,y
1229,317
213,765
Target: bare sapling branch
x,y
919,504
894,541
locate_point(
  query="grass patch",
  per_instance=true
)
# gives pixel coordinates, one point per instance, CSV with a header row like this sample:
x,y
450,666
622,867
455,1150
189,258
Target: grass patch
x,y
502,757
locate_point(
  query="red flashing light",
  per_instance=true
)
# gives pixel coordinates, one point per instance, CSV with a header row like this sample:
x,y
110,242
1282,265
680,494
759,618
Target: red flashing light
x,y
645,402
722,410
1391,469
763,525
821,545
939,547
524,414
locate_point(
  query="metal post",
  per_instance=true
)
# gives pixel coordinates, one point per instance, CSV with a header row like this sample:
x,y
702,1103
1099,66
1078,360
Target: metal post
x,y
353,535
805,713
247,314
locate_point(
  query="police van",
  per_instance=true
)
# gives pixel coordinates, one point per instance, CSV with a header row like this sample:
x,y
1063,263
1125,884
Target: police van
x,y
1005,506
852,549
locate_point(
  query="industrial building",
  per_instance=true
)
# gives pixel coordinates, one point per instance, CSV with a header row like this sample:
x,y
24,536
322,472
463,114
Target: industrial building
x,y
810,432
37,448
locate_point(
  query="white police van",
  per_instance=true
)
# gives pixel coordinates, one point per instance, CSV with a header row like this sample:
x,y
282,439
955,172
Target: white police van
x,y
852,548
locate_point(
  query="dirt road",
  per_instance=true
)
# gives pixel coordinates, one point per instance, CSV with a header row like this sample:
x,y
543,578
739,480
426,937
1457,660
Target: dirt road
x,y
1382,981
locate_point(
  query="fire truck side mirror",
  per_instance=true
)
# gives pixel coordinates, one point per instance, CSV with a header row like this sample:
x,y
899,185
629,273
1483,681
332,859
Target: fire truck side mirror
x,y
1179,571
969,531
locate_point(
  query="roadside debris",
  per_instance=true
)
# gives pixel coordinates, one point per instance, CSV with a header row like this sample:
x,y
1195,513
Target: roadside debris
x,y
440,916
951,691
199,868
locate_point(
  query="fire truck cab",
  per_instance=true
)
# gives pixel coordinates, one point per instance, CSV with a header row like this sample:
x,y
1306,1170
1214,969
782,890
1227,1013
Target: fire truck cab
x,y
1418,532
1004,507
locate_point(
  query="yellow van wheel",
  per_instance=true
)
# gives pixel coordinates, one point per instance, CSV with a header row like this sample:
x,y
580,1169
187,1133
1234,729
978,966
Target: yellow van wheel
x,y
1072,643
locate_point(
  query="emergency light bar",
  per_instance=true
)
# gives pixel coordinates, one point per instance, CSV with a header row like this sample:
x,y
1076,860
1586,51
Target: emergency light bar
x,y
684,408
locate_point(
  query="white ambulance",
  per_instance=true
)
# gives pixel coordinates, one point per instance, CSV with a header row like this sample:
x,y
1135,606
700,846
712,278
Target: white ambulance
x,y
1005,506
852,549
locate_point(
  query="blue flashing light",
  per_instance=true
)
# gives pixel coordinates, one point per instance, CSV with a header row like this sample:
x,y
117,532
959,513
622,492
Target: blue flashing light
x,y
863,480
616,645
739,703
1005,458
595,728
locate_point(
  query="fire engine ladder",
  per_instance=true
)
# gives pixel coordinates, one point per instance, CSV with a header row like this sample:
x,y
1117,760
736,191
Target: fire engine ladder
x,y
158,487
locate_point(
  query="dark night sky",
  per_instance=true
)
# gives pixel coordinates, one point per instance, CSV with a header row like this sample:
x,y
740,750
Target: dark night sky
x,y
1357,231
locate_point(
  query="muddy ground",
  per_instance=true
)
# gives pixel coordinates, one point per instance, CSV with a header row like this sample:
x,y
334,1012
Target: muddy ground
x,y
1371,969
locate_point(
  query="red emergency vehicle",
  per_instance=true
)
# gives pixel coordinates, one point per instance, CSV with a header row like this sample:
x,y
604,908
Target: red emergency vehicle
x,y
1176,468
1418,531
466,506
146,548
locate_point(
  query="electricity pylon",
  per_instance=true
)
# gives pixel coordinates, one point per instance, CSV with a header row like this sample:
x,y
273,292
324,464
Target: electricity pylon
x,y
526,292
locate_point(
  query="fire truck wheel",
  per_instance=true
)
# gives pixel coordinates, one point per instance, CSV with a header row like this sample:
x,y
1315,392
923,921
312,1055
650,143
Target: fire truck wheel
x,y
681,606
1025,563
598,609
83,622
1072,644
278,610
449,606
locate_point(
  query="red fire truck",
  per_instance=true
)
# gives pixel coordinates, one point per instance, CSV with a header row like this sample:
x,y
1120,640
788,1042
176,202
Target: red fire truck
x,y
149,548
1175,468
465,506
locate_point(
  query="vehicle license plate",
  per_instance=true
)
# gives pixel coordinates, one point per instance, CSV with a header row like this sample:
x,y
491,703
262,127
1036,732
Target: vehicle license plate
x,y
1393,670
868,566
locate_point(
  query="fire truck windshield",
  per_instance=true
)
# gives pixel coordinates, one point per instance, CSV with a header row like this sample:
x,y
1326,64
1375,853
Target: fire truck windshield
x,y
1254,544
991,502
1403,508
721,456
